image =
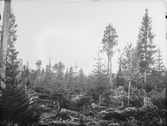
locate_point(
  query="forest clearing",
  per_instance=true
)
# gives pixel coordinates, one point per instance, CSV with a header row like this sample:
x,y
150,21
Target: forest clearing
x,y
58,95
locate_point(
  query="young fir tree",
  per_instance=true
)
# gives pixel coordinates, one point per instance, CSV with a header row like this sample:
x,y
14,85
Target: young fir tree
x,y
157,78
16,106
98,66
99,80
120,81
71,79
146,48
159,66
26,74
81,80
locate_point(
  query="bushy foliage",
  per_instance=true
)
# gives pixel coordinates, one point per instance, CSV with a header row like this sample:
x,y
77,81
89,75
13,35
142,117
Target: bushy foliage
x,y
120,81
16,106
114,98
136,97
158,98
82,102
98,83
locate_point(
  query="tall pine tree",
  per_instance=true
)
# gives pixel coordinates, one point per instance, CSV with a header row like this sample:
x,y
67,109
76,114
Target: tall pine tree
x,y
146,48
109,41
16,106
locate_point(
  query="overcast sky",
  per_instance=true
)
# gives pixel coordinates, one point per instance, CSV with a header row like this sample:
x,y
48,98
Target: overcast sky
x,y
72,31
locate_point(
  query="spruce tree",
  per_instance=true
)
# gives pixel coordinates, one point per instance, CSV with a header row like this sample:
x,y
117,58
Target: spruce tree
x,y
81,79
146,48
159,66
99,82
98,66
120,81
157,78
70,79
16,106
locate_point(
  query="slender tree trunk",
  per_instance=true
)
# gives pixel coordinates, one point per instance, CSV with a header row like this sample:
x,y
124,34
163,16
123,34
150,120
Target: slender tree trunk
x,y
111,72
5,37
146,66
108,71
145,76
129,91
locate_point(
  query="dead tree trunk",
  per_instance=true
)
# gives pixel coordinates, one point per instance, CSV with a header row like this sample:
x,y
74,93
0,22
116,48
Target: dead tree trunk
x,y
129,92
111,83
5,38
108,68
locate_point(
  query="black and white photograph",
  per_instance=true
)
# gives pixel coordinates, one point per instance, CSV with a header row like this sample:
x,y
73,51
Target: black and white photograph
x,y
83,62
